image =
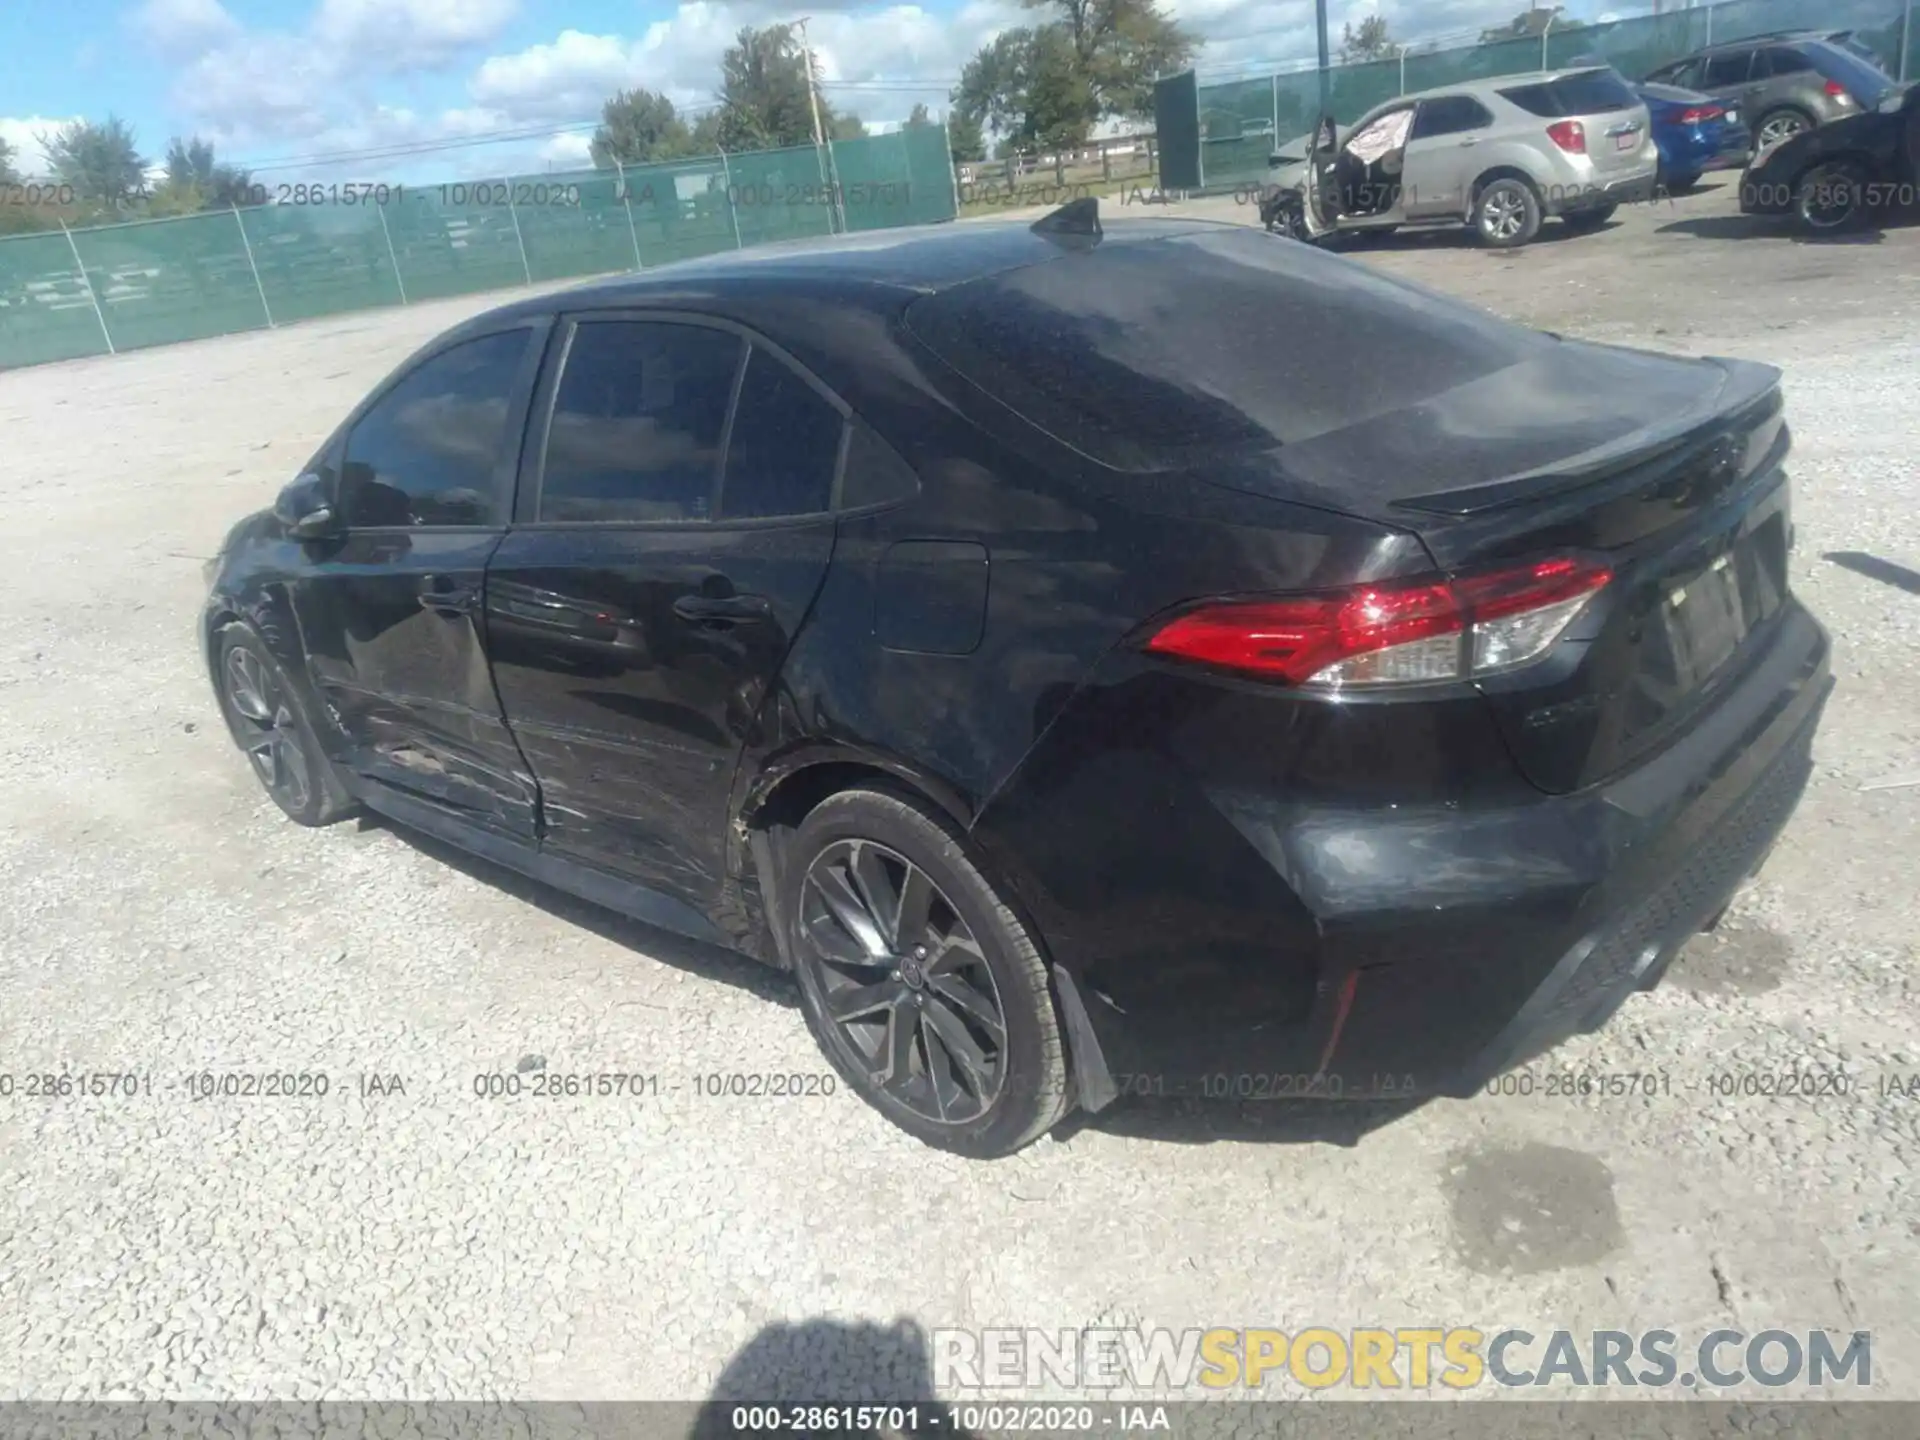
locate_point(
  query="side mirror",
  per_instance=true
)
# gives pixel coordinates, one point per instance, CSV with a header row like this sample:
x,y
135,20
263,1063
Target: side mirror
x,y
1276,160
304,510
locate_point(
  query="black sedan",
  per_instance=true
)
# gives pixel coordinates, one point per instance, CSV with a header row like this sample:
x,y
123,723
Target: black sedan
x,y
1153,658
1842,175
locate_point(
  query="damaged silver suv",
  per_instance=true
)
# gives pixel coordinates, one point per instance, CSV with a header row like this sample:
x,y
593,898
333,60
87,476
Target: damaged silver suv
x,y
1500,155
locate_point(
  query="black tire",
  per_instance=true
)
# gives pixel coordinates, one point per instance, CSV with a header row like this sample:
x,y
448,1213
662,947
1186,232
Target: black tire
x,y
1784,120
267,716
1680,184
1506,213
1591,218
1831,198
884,1023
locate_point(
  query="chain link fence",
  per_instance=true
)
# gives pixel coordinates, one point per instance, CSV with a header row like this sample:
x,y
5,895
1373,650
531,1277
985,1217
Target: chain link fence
x,y
1240,121
319,249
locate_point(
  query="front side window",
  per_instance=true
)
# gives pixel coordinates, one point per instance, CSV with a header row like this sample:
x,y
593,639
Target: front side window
x,y
427,451
638,420
784,448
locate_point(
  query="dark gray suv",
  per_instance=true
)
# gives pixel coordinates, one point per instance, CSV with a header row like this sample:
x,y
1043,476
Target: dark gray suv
x,y
1782,84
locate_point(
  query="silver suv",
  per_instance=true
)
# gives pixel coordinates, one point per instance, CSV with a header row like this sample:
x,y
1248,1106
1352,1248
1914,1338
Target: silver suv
x,y
1500,155
1785,83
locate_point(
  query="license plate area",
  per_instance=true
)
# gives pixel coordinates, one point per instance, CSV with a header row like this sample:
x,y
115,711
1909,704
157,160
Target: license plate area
x,y
1706,619
1626,140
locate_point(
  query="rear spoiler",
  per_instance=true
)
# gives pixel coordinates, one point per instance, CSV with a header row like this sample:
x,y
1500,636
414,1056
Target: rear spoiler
x,y
1749,391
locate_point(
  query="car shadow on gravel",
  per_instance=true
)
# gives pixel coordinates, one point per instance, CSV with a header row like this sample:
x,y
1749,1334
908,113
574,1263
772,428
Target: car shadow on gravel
x,y
1770,227
696,957
1195,1120
1874,568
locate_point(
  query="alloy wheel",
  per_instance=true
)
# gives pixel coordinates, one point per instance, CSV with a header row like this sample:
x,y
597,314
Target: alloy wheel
x,y
904,985
1505,213
1778,128
1829,198
267,729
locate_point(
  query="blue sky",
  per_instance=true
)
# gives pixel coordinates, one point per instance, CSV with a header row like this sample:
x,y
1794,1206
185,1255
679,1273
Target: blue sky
x,y
419,89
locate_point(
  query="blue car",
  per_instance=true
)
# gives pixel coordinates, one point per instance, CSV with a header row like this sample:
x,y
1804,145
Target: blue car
x,y
1693,132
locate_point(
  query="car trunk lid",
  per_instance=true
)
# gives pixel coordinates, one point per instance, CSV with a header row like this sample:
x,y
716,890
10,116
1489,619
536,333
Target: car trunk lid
x,y
1667,469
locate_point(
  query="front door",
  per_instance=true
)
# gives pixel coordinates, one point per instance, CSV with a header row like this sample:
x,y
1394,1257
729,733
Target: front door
x,y
390,612
669,544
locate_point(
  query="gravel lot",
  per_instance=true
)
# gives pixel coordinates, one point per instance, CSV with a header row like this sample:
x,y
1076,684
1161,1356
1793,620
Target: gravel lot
x,y
159,917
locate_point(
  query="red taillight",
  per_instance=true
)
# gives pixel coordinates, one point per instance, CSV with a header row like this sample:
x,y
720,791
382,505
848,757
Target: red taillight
x,y
1569,135
1837,90
1402,634
1700,114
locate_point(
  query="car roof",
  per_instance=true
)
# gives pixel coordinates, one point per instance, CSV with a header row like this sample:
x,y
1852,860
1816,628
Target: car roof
x,y
1490,84
878,271
1770,37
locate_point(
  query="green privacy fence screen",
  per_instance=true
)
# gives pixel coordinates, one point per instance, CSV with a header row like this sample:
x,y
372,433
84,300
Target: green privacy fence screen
x,y
1240,120
324,250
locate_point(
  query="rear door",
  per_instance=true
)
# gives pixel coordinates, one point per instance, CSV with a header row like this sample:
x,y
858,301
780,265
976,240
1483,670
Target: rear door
x,y
1731,76
673,525
390,612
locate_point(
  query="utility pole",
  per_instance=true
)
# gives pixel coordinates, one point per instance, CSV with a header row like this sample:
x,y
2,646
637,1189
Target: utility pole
x,y
819,136
1326,87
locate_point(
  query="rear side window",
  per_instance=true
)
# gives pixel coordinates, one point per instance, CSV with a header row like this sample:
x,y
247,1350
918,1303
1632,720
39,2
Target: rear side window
x,y
1449,115
784,448
425,452
637,422
1779,60
1161,354
1729,69
1590,92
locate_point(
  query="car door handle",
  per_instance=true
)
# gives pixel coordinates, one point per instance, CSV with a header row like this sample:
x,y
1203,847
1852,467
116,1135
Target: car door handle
x,y
1470,140
717,610
446,596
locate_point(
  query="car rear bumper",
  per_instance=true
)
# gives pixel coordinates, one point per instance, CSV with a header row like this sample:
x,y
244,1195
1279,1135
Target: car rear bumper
x,y
1442,945
1591,194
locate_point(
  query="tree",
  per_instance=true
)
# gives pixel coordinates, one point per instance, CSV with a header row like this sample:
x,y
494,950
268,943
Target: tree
x,y
847,127
193,171
1051,84
637,126
101,162
1025,86
9,171
1366,42
964,140
1531,24
764,100
918,118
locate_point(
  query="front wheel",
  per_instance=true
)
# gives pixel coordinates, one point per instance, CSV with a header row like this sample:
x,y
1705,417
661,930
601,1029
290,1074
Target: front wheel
x,y
268,720
924,989
1831,198
1506,213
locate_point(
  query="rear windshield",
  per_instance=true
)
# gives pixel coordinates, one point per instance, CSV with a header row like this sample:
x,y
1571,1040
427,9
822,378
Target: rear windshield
x,y
1591,92
1867,82
1155,355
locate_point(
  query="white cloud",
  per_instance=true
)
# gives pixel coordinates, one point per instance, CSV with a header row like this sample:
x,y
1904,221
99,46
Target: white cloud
x,y
182,29
22,134
404,35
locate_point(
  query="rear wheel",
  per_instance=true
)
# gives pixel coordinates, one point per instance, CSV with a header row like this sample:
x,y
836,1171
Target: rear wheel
x,y
923,988
1831,198
1589,219
269,721
1506,213
1777,125
1681,183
